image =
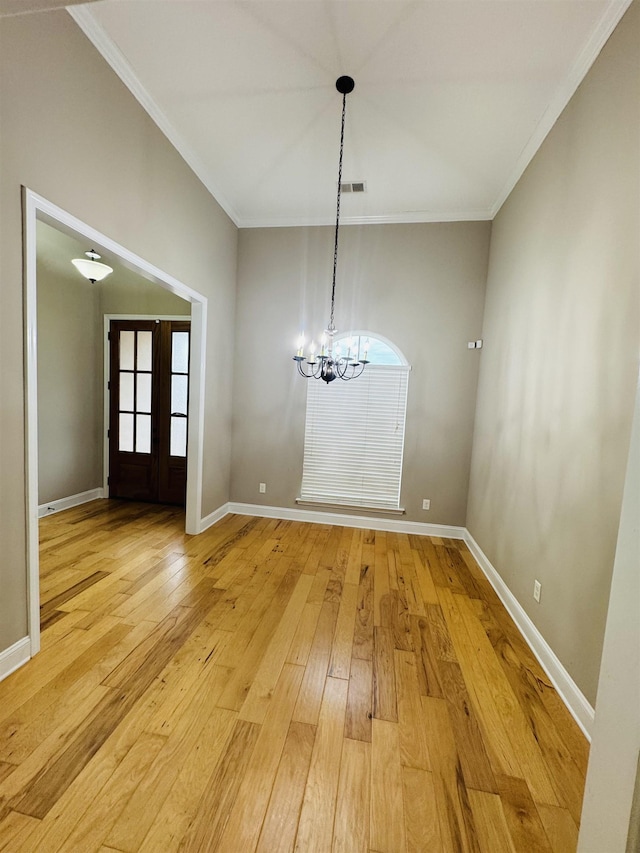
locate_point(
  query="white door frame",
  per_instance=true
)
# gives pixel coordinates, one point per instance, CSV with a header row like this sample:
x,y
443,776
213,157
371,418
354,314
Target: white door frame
x,y
35,207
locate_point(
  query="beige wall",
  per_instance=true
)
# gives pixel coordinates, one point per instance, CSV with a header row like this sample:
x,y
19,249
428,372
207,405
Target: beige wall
x,y
69,396
421,286
119,174
560,360
118,295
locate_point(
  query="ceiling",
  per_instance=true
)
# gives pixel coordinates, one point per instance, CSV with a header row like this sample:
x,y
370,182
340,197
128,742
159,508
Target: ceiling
x,y
55,248
452,97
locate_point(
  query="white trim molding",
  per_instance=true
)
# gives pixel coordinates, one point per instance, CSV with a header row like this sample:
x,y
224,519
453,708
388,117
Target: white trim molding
x,y
71,501
392,525
114,56
606,25
30,207
14,657
104,44
214,517
405,218
568,690
35,207
109,50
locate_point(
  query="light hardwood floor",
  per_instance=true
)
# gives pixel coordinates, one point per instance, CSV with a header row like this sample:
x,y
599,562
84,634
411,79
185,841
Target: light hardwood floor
x,y
276,686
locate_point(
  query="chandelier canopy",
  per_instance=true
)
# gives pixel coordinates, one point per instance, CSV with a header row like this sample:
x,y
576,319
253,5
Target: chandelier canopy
x,y
331,362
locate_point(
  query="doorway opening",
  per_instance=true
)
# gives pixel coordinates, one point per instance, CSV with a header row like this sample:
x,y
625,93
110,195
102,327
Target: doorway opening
x,y
38,210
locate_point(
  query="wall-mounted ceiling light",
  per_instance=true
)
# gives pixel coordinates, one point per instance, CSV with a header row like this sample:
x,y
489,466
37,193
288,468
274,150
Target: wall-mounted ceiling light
x,y
90,268
331,363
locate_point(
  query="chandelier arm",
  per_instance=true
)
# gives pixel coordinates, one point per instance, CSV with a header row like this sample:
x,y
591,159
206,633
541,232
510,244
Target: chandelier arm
x,y
353,375
314,369
344,369
335,244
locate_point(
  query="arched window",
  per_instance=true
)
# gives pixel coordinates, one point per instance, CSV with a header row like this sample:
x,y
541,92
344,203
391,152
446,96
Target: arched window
x,y
354,432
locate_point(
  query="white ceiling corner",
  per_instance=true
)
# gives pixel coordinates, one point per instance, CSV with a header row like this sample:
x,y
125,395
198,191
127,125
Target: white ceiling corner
x,y
614,11
109,51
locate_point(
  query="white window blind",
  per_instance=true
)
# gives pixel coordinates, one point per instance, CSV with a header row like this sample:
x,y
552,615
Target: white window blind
x,y
354,439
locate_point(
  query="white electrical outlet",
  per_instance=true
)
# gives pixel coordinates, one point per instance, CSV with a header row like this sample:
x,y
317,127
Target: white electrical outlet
x,y
263,488
426,504
537,588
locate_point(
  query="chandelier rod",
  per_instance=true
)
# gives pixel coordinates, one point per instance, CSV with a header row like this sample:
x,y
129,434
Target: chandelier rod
x,y
331,328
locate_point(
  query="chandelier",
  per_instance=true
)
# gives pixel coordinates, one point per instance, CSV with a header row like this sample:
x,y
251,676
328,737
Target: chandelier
x,y
331,363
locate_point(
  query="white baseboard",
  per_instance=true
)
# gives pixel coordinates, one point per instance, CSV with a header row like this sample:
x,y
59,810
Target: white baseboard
x,y
213,517
392,525
568,690
14,657
72,500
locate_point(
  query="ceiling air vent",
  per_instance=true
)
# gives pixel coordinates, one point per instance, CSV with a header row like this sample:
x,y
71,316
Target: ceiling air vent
x,y
353,187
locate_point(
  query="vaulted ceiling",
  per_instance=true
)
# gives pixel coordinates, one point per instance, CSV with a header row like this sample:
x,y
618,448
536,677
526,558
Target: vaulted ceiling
x,y
452,97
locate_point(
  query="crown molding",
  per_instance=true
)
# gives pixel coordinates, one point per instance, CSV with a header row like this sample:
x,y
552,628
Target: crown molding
x,y
414,217
114,57
608,22
112,54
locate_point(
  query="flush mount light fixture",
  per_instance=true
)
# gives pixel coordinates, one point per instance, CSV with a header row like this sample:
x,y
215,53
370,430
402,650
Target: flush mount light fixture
x,y
90,268
331,363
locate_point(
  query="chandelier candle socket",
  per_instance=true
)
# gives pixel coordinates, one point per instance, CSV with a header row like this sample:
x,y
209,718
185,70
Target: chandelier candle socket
x,y
331,363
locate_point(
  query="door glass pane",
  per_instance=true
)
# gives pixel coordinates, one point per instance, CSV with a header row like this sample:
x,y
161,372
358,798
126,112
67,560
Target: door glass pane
x,y
179,386
178,437
144,350
126,392
125,433
144,392
143,433
180,352
126,350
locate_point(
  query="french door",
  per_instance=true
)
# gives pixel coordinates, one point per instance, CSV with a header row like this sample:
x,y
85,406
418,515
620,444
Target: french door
x,y
149,396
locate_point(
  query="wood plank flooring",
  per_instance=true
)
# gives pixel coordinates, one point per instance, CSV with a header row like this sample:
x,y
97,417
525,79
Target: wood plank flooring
x,y
275,686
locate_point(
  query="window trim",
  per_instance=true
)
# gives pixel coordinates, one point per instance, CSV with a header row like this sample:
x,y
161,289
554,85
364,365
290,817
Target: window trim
x,y
364,333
